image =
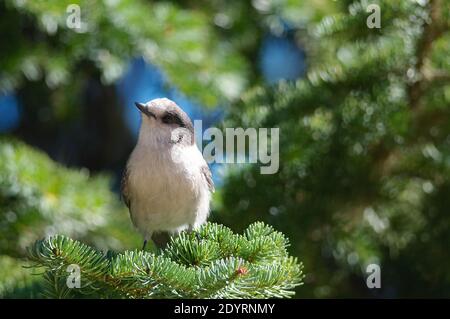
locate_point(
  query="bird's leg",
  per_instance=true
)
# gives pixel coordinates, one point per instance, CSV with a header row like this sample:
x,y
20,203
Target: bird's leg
x,y
190,229
146,237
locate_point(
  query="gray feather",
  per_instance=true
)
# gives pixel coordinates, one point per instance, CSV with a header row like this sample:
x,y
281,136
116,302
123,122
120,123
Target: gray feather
x,y
206,172
124,189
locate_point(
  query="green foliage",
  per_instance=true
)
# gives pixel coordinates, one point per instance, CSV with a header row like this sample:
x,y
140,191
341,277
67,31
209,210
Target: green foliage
x,y
364,152
16,281
209,263
36,200
39,198
181,41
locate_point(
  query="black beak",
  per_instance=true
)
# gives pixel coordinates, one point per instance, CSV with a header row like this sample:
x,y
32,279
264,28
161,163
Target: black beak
x,y
144,109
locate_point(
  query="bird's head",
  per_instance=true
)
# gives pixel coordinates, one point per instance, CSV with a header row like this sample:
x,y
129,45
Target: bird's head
x,y
164,122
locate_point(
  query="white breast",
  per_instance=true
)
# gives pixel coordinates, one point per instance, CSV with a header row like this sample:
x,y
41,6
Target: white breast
x,y
168,191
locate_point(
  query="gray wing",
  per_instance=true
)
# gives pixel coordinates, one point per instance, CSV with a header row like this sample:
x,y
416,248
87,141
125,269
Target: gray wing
x,y
208,176
124,189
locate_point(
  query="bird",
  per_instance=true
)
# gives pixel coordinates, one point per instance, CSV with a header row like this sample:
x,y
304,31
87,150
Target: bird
x,y
166,184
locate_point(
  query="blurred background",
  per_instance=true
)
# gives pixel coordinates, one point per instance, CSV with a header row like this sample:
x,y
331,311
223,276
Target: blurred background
x,y
363,114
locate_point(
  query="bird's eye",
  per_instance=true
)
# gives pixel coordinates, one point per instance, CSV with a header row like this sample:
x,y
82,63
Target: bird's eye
x,y
168,119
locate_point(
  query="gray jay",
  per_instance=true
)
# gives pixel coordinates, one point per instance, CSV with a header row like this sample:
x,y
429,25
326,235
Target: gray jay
x,y
167,184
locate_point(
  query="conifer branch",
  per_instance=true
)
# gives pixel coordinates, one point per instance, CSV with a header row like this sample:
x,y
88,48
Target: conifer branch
x,y
209,263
